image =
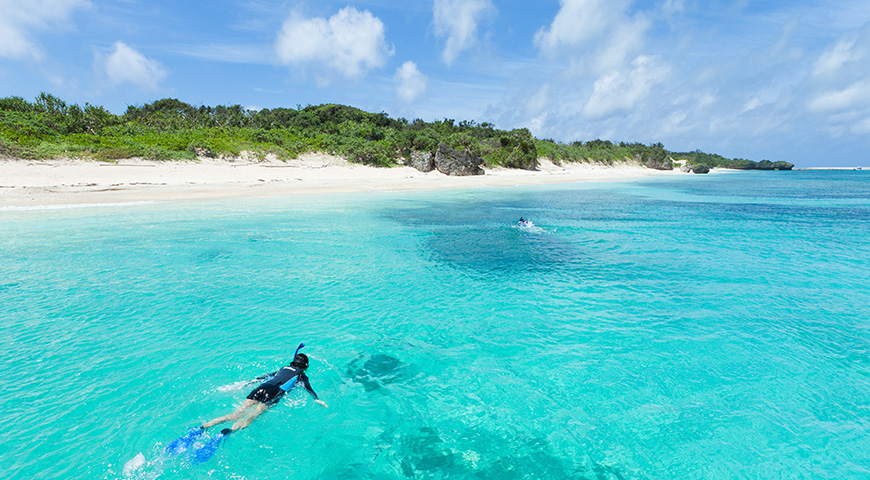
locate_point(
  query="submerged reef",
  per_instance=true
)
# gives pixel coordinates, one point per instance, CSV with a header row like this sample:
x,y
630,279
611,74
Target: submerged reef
x,y
378,371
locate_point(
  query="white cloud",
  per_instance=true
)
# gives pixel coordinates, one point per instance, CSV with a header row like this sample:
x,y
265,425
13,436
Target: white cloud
x,y
856,95
126,65
410,83
833,59
672,7
594,32
752,104
706,100
247,54
458,21
622,90
624,41
539,101
537,108
847,57
14,42
577,22
350,42
862,128
19,20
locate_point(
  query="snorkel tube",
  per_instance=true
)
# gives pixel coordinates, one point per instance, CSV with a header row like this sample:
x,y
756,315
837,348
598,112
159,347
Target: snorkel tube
x,y
300,360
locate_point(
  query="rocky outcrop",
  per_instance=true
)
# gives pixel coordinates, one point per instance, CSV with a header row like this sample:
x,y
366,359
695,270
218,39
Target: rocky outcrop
x,y
694,169
201,152
655,162
655,157
423,161
658,163
455,163
768,165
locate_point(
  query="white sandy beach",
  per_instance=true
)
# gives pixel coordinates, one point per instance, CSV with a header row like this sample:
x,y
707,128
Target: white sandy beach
x,y
62,182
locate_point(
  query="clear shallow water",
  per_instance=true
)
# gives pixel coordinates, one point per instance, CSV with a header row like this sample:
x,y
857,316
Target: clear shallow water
x,y
697,327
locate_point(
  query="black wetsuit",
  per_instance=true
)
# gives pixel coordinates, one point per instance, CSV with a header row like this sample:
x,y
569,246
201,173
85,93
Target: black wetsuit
x,y
280,382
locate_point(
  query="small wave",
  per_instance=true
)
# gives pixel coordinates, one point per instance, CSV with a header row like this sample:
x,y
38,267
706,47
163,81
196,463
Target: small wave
x,y
72,205
530,228
235,386
140,468
135,463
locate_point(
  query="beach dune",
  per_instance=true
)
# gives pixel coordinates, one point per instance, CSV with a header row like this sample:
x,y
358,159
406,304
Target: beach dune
x,y
63,182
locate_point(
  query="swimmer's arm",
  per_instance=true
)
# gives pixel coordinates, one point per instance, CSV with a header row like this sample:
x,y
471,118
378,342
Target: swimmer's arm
x,y
264,377
303,379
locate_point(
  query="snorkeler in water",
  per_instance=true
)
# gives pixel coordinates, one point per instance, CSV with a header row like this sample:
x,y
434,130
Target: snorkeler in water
x,y
274,385
267,394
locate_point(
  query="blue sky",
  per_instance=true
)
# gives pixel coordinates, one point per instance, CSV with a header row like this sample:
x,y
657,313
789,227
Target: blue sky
x,y
784,80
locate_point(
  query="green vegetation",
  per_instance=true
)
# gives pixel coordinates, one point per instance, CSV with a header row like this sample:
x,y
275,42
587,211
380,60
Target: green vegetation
x,y
604,152
718,161
170,129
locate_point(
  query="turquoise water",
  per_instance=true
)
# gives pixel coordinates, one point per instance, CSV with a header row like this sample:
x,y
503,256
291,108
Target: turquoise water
x,y
698,327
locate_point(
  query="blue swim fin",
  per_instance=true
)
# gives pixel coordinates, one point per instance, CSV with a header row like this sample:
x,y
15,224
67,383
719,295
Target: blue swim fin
x,y
202,454
184,443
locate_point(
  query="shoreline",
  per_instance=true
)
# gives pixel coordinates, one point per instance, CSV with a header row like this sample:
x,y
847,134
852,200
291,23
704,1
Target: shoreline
x,y
31,183
831,168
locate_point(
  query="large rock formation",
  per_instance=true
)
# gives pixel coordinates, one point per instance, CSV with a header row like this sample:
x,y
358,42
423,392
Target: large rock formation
x,y
700,169
658,163
423,161
655,157
456,163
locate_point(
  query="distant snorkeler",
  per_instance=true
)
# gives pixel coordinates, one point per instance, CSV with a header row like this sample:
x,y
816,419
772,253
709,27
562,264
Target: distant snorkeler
x,y
267,394
523,222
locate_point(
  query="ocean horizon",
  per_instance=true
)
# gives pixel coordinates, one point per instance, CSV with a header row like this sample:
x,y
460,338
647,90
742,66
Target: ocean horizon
x,y
693,327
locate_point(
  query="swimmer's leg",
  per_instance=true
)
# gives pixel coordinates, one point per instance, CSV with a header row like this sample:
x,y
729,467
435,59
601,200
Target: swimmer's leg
x,y
255,412
233,416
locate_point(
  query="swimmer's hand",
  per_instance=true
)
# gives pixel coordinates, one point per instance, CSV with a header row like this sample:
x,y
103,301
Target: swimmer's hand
x,y
322,403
